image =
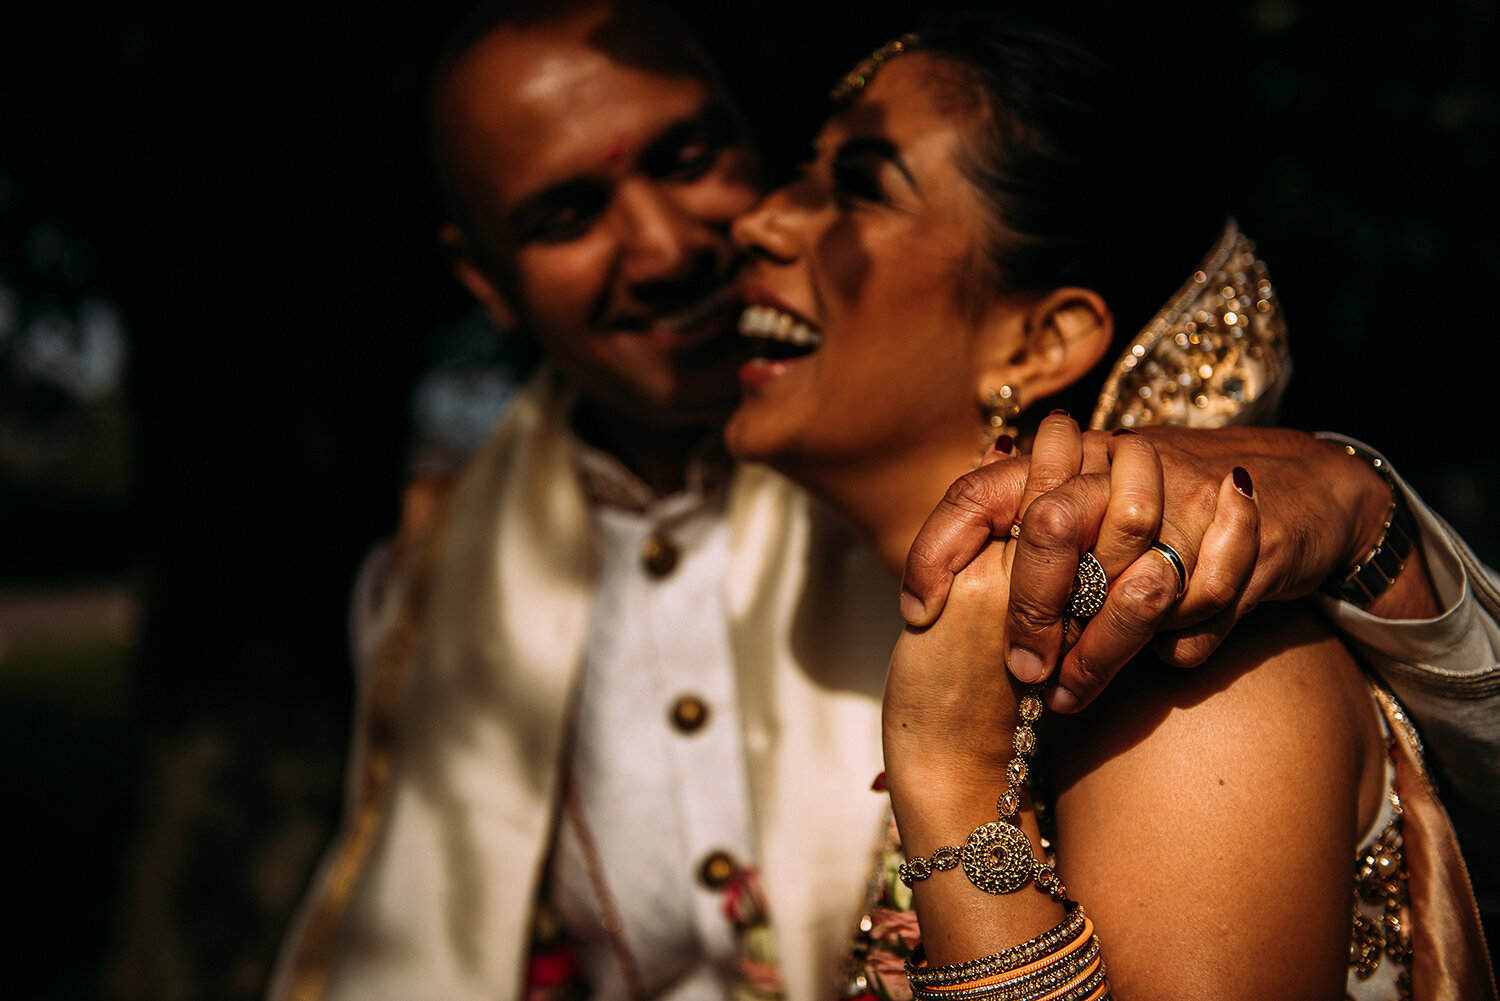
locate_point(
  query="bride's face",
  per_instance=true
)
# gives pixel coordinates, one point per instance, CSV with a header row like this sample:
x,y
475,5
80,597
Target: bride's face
x,y
864,284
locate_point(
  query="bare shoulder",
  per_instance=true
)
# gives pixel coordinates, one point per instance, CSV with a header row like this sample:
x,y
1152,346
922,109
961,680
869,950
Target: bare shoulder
x,y
1213,813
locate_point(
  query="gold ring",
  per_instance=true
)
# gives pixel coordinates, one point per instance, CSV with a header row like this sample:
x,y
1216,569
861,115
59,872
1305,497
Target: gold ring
x,y
1174,561
1089,588
1015,527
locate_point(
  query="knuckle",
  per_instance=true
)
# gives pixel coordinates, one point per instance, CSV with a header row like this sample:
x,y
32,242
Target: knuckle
x,y
1187,650
1145,593
1030,617
1139,443
1136,521
1050,522
1087,676
922,557
966,496
974,497
1202,498
1214,591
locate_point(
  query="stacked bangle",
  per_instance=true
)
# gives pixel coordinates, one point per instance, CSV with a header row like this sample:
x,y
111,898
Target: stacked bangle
x,y
1062,963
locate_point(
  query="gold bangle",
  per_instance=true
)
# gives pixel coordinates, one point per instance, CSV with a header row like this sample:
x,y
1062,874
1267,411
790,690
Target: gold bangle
x,y
1073,973
1061,962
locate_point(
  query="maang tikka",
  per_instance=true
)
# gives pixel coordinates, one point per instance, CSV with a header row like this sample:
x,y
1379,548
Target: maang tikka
x,y
1000,408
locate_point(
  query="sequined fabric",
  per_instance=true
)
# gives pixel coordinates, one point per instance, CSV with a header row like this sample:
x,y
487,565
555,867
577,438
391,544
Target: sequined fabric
x,y
1215,355
1380,939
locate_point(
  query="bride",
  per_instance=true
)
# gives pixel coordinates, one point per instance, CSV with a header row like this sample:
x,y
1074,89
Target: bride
x,y
980,247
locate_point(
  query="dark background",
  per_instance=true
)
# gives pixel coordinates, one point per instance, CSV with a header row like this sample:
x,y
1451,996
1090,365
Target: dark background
x,y
248,185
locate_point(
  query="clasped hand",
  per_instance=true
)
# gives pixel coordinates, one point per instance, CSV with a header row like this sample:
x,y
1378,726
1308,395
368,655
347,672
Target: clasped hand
x,y
1114,493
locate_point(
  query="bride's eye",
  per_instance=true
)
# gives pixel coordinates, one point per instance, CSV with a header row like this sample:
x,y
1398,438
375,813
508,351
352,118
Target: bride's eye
x,y
857,181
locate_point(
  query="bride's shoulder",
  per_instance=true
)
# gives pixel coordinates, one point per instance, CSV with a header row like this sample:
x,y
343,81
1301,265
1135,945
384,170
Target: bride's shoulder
x,y
1246,779
1282,668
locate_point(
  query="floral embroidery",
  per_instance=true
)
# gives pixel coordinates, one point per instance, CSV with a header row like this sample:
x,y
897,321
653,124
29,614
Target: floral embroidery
x,y
745,907
555,971
887,933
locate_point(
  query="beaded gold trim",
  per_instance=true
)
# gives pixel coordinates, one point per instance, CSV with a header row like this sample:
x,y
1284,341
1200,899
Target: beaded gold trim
x,y
1380,934
1380,882
1215,354
420,539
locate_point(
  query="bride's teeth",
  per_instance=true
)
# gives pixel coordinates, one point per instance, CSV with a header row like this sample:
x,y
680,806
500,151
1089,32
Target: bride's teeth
x,y
773,324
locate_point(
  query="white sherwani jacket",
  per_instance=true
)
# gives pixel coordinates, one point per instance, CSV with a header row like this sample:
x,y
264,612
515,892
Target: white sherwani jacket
x,y
471,668
463,730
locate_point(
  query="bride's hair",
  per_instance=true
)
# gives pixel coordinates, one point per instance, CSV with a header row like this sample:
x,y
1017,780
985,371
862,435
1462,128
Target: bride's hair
x,y
1095,173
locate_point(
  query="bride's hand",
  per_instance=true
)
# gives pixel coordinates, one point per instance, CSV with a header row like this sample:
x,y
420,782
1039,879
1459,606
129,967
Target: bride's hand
x,y
951,710
950,705
1114,494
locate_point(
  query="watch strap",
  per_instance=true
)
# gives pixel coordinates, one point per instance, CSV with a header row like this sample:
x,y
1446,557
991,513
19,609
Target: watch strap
x,y
1371,576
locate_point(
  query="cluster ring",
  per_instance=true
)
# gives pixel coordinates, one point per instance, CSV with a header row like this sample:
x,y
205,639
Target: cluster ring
x,y
1090,586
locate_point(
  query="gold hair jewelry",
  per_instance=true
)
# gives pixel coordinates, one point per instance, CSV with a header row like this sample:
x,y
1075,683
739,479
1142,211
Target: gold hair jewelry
x,y
1000,408
1090,588
1214,355
1174,561
854,81
997,857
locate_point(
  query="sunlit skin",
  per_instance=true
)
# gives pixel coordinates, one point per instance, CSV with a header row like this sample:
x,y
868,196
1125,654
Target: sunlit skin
x,y
598,198
871,246
1165,794
877,247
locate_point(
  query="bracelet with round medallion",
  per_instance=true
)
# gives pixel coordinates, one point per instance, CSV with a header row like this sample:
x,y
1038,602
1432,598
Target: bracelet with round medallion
x,y
997,857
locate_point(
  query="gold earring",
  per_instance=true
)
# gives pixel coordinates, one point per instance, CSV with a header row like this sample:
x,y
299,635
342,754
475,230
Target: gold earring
x,y
1000,407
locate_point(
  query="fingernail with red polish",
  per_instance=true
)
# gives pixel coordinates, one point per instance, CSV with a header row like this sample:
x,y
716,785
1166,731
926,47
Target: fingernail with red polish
x,y
1004,445
1119,431
1057,413
1242,482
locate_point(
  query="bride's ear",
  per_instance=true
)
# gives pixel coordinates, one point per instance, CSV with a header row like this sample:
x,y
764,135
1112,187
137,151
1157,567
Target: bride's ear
x,y
1064,334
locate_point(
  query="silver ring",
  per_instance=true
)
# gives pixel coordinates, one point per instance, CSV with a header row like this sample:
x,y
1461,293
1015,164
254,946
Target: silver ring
x,y
1089,588
1175,562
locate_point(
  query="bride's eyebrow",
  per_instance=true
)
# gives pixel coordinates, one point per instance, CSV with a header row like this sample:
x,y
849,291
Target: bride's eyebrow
x,y
877,147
